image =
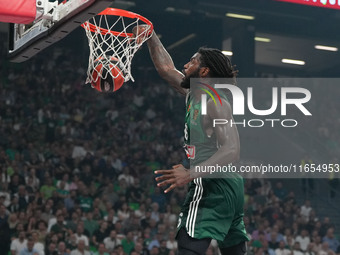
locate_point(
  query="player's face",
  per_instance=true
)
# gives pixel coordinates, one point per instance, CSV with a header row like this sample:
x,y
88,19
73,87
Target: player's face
x,y
191,70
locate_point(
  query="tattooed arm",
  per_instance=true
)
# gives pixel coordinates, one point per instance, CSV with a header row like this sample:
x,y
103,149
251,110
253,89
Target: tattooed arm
x,y
163,62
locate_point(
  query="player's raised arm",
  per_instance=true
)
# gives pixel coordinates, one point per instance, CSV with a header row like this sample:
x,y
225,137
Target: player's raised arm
x,y
163,62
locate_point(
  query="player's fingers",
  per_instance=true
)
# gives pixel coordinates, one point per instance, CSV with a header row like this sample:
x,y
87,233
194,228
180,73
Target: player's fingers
x,y
139,40
138,34
138,30
163,177
166,182
172,186
176,166
163,171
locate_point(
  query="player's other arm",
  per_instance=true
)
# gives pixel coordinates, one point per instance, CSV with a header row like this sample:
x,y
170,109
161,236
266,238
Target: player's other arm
x,y
226,135
163,61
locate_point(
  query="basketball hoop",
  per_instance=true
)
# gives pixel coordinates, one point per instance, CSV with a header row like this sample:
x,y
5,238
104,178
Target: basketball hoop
x,y
110,35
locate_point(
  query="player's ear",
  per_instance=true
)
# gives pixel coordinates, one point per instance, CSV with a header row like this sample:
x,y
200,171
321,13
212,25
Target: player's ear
x,y
204,71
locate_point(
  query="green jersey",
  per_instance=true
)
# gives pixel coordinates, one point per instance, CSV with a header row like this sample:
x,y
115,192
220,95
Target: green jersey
x,y
201,147
213,207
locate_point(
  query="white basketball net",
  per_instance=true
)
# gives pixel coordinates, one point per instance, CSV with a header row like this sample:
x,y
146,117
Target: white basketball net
x,y
103,46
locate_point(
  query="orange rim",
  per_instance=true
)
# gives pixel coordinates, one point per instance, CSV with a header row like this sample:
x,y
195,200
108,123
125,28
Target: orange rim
x,y
117,12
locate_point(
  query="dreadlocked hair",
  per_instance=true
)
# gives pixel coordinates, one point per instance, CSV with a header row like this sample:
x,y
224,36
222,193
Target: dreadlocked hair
x,y
220,65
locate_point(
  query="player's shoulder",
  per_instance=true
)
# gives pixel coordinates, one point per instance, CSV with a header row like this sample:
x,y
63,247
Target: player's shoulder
x,y
220,108
219,103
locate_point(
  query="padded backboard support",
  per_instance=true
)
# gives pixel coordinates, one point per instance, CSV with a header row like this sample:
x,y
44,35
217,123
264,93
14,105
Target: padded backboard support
x,y
46,33
18,11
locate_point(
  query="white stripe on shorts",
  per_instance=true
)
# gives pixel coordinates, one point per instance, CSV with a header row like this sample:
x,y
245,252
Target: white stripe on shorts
x,y
193,207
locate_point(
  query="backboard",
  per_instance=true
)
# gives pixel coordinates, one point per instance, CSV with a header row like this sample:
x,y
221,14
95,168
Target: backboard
x,y
52,22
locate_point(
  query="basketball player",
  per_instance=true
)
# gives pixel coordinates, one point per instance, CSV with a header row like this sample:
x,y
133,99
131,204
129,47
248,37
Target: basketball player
x,y
213,208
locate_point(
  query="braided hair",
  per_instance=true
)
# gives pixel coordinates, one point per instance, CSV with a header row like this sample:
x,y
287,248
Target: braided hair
x,y
220,65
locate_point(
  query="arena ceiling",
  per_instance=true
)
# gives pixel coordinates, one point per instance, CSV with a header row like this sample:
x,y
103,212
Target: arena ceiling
x,y
294,30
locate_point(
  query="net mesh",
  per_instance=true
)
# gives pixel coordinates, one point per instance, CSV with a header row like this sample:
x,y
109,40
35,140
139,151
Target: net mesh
x,y
112,45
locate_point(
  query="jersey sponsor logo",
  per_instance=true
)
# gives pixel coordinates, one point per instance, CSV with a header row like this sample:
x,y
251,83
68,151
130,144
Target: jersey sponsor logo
x,y
190,151
196,112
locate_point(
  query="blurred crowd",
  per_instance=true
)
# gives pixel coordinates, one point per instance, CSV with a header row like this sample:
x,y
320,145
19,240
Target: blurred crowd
x,y
77,165
76,170
279,225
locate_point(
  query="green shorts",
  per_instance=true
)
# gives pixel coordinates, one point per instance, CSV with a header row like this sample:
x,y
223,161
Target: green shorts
x,y
213,208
